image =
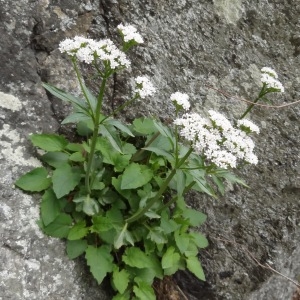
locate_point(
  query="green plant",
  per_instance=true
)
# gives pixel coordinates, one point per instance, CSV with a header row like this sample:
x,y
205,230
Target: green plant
x,y
118,196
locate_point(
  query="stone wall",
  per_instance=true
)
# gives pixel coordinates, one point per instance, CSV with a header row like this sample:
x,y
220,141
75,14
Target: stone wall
x,y
189,46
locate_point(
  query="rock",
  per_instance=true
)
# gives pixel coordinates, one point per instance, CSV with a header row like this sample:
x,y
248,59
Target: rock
x,y
190,47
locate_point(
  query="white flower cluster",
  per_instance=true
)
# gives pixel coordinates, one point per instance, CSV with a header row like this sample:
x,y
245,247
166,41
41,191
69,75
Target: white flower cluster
x,y
130,33
144,87
248,124
216,139
181,99
269,77
86,50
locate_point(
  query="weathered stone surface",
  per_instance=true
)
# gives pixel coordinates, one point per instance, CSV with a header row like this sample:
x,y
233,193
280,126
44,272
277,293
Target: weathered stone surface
x,y
188,45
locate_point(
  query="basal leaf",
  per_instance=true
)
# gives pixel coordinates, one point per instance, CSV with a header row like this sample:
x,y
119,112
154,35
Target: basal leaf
x,y
160,152
34,181
199,239
120,126
55,159
76,248
65,179
194,265
144,291
49,142
170,258
182,241
135,257
100,261
135,176
109,132
196,218
90,206
120,280
144,125
60,227
101,223
78,231
50,207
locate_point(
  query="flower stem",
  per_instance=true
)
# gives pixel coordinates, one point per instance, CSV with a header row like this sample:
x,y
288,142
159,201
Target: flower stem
x,y
162,189
95,135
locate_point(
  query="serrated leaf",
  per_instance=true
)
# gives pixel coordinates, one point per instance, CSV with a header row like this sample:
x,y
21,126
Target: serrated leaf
x,y
76,248
196,218
157,236
60,227
50,207
55,159
124,296
78,231
34,181
144,125
135,176
77,156
135,257
199,239
144,291
49,142
100,261
170,258
65,179
90,206
194,265
120,280
101,223
182,241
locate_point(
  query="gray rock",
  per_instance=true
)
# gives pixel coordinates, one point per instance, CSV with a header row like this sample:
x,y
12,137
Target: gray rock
x,y
189,46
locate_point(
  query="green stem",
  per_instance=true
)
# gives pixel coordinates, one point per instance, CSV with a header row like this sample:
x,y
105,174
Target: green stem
x,y
121,107
141,151
82,87
95,135
262,92
162,189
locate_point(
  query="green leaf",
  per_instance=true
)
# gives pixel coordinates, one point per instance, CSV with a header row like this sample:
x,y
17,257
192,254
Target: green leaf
x,y
55,159
120,126
77,156
123,238
164,130
64,96
120,280
49,142
168,225
90,206
157,235
201,184
160,152
101,223
91,99
219,184
144,291
194,265
34,181
78,231
135,257
170,258
124,296
76,248
100,261
135,176
180,182
114,139
144,125
76,118
195,217
60,227
50,207
199,239
230,177
65,179
182,241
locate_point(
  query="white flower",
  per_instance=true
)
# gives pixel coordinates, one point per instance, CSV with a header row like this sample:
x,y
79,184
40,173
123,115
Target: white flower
x,y
181,99
269,71
269,77
248,124
86,50
144,87
130,33
216,139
